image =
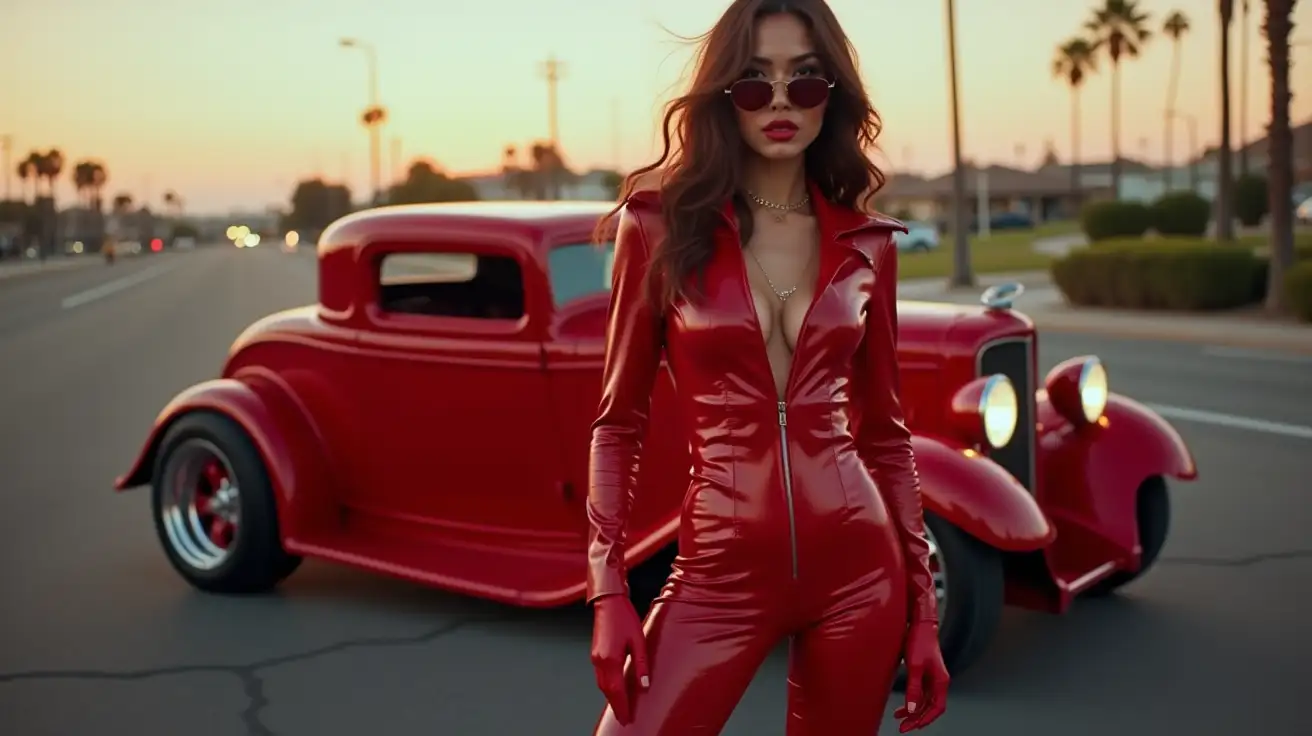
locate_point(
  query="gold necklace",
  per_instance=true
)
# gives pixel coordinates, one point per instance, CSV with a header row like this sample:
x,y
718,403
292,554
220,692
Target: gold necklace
x,y
781,210
783,295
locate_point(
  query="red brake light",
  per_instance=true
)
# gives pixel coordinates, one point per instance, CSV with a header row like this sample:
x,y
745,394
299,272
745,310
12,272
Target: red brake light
x,y
157,244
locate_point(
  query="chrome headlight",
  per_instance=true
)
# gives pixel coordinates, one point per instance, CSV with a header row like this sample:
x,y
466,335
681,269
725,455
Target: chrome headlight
x,y
1093,389
1077,388
999,410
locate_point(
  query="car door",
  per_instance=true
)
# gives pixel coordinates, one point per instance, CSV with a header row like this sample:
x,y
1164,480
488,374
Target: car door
x,y
453,396
579,276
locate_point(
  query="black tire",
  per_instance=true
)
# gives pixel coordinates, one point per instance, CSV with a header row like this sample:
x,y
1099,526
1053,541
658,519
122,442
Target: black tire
x,y
648,578
1153,515
920,247
975,590
256,561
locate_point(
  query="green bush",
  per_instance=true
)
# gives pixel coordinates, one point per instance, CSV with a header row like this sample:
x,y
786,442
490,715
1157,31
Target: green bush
x,y
1298,290
1302,253
1181,213
1251,202
1112,219
1184,274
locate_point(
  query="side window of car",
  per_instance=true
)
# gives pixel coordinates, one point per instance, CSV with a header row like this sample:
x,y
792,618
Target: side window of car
x,y
580,269
452,285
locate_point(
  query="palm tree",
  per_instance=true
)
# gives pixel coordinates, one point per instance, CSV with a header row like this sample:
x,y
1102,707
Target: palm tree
x,y
1243,90
1120,28
1175,28
1225,226
1074,62
27,170
1280,160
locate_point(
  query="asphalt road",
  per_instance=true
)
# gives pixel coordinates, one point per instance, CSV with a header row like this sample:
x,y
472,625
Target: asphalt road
x,y
99,636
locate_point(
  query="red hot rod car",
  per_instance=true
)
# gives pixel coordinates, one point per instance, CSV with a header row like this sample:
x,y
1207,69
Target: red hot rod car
x,y
429,418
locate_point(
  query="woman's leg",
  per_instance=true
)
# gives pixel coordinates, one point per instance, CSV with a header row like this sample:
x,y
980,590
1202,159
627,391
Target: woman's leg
x,y
701,658
842,668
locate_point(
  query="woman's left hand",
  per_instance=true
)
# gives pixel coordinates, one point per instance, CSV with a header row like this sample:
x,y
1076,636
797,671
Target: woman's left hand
x,y
927,678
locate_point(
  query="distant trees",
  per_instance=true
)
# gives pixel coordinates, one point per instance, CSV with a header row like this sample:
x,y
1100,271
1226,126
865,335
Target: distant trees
x,y
425,183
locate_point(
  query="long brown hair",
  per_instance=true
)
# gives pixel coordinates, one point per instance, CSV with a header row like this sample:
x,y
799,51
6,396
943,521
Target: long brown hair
x,y
702,156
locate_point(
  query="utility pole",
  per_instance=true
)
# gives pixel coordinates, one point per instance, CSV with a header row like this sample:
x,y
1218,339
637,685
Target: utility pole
x,y
6,148
551,70
961,274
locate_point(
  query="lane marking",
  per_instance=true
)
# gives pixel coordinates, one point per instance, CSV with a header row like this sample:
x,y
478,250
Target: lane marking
x,y
1232,421
117,285
1245,354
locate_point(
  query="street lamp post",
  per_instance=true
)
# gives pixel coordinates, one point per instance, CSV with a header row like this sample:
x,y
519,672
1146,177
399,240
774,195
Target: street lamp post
x,y
374,116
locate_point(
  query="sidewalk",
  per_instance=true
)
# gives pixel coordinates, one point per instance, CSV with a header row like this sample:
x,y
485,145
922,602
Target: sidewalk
x,y
1043,302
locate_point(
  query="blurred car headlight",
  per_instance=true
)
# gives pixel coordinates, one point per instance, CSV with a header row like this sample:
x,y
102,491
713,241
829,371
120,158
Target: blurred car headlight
x,y
1078,389
986,410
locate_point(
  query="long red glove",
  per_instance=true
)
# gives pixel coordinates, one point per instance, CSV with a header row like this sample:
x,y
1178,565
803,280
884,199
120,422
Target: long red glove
x,y
884,440
927,679
616,636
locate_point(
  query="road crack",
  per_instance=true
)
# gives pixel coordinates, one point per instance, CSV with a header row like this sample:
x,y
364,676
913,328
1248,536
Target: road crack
x,y
248,674
1248,561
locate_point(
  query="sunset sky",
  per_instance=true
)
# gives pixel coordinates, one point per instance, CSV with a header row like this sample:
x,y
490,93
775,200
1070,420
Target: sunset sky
x,y
230,103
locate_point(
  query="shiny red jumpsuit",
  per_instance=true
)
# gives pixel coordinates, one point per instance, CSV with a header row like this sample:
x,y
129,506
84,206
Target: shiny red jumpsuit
x,y
802,517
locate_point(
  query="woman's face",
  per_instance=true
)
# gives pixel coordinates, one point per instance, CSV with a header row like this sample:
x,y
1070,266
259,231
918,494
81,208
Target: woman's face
x,y
784,126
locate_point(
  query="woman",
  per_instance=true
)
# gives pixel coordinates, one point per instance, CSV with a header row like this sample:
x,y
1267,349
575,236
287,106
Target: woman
x,y
774,301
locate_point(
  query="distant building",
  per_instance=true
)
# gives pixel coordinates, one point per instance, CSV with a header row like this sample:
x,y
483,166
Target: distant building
x,y
577,187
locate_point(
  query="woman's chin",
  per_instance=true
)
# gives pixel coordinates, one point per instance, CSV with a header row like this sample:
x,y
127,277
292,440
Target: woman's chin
x,y
779,150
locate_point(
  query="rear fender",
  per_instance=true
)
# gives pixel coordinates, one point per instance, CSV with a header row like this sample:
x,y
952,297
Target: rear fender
x,y
977,496
285,439
1095,470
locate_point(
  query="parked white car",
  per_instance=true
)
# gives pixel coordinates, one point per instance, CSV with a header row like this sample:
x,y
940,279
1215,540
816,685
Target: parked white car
x,y
1304,212
920,237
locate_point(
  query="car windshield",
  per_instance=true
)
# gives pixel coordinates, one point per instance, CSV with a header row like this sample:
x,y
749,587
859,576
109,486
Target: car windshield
x,y
580,269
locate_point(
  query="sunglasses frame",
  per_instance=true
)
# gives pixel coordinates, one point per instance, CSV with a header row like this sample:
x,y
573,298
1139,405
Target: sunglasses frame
x,y
829,85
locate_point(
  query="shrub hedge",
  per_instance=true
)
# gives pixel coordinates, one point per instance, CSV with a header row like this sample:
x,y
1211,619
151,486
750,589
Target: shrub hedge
x,y
1181,213
1171,273
1298,290
1112,219
1302,253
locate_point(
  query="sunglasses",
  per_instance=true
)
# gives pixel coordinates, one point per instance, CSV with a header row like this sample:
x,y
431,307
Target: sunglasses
x,y
751,95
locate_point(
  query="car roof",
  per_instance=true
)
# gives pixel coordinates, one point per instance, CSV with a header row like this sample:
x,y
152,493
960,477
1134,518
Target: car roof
x,y
530,220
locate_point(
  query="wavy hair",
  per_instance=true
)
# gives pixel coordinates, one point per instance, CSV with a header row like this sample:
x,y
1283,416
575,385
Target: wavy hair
x,y
701,164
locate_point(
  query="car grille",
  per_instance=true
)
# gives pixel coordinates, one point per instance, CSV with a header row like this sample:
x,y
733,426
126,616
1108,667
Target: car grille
x,y
1014,358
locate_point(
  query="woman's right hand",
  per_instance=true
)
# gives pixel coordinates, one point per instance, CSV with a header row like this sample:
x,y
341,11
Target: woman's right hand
x,y
616,636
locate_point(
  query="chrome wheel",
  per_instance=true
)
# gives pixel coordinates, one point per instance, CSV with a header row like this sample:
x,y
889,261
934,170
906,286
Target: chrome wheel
x,y
939,568
200,507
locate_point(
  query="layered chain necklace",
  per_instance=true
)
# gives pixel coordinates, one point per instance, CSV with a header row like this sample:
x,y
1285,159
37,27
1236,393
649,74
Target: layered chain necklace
x,y
780,210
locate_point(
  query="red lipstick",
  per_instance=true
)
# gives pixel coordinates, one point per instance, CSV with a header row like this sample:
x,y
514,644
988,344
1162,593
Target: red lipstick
x,y
780,130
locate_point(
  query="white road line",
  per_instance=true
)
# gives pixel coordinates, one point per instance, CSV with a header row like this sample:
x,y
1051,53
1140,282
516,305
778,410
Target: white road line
x,y
1232,421
1243,354
117,285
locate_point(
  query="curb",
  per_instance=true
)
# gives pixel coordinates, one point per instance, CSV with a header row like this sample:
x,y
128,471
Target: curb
x,y
1300,343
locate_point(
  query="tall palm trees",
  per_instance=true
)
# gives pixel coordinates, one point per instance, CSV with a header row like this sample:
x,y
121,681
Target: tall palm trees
x,y
1074,62
1225,226
1175,27
1120,29
1278,25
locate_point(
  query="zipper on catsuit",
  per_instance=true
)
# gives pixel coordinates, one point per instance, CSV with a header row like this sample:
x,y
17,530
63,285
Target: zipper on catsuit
x,y
788,483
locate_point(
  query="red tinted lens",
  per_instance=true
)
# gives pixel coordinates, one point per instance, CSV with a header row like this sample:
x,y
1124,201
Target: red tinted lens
x,y
751,94
807,92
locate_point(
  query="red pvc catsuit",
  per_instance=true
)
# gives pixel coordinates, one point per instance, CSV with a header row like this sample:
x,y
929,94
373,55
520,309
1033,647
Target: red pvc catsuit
x,y
803,516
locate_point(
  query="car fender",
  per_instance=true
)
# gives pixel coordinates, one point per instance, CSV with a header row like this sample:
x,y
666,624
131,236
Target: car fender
x,y
973,493
1100,466
282,434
